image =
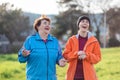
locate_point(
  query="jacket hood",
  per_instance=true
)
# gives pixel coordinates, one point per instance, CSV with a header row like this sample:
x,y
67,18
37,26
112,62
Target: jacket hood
x,y
89,35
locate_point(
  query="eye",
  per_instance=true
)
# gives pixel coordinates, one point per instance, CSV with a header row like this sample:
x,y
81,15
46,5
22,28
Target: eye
x,y
87,21
46,23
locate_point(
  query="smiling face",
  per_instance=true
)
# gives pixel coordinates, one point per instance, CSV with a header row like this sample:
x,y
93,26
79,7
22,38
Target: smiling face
x,y
44,26
84,25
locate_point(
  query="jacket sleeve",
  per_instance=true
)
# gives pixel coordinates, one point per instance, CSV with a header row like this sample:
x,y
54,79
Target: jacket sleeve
x,y
26,46
69,53
59,54
94,56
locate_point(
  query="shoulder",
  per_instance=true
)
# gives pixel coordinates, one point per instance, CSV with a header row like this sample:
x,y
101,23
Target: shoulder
x,y
52,38
93,38
74,37
31,37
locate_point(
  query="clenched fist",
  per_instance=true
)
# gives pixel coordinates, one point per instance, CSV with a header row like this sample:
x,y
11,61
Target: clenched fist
x,y
25,52
62,62
81,55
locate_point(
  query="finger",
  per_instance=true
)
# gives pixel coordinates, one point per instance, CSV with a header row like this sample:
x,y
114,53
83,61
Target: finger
x,y
79,57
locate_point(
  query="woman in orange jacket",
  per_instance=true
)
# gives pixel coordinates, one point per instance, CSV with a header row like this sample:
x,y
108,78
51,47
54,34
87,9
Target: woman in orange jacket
x,y
82,51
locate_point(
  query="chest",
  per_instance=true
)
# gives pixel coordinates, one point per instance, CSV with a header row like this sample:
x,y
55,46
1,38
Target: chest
x,y
42,50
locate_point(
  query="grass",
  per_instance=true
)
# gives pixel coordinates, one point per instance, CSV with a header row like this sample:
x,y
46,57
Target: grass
x,y
107,69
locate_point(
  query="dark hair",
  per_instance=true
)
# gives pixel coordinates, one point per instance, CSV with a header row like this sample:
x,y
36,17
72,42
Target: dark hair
x,y
81,18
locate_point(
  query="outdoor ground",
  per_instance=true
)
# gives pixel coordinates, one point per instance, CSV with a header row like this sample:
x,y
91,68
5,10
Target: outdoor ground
x,y
107,69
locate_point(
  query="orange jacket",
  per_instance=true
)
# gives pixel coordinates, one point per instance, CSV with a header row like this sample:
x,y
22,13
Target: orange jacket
x,y
92,50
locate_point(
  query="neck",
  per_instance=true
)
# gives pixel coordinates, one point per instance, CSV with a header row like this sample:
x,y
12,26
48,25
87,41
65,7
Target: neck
x,y
82,34
43,35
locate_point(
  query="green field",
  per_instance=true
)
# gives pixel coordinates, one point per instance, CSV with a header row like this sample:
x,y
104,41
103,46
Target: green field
x,y
107,69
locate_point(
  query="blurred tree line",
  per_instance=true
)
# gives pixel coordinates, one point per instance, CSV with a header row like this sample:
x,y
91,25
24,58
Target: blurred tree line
x,y
13,24
16,27
70,10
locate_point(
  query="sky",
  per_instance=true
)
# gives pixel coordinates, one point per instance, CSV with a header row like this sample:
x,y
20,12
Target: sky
x,y
35,6
44,6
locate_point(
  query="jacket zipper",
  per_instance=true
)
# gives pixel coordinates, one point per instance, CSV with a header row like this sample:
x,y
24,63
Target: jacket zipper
x,y
47,59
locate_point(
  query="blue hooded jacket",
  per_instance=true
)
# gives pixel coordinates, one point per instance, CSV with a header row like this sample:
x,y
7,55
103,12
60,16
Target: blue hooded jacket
x,y
41,63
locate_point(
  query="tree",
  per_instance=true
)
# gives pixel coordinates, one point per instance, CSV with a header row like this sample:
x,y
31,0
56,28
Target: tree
x,y
66,23
114,26
109,21
87,7
13,23
113,21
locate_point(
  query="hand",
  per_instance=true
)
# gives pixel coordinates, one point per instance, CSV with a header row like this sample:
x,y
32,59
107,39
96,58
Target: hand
x,y
81,55
25,52
62,62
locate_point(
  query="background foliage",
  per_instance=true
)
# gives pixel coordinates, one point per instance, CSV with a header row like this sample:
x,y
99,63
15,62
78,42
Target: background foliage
x,y
70,10
13,23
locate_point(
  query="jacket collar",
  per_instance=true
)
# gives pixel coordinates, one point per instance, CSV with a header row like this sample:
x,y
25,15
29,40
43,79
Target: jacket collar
x,y
38,37
91,39
89,34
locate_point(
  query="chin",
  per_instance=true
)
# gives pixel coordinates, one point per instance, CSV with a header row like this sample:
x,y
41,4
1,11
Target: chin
x,y
47,32
84,31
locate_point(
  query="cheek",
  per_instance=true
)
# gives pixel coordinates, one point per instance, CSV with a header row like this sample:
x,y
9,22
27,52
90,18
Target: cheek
x,y
40,28
88,26
79,27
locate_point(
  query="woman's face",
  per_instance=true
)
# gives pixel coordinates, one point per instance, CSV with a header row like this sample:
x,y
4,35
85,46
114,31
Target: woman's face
x,y
84,25
44,27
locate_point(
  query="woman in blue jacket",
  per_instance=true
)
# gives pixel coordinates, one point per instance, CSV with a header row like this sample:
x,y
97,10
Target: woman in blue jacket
x,y
41,52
